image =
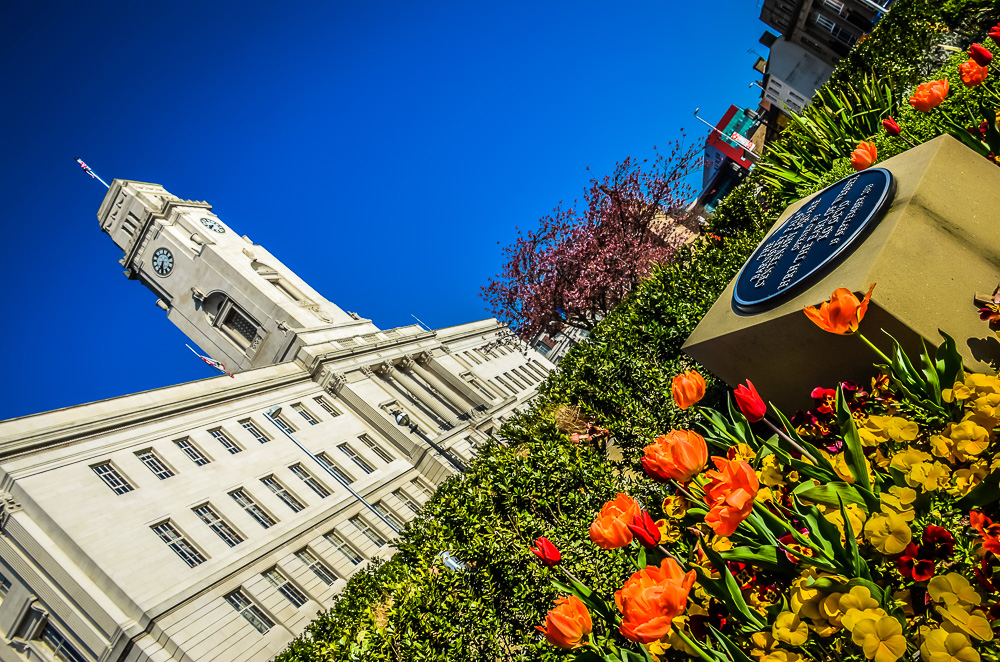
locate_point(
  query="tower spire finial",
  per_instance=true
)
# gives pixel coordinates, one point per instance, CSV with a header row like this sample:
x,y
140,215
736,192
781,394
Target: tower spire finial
x,y
86,169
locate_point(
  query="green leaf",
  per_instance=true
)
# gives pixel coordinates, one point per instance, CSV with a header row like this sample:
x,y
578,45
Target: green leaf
x,y
735,653
640,559
726,590
851,546
852,442
765,556
790,430
831,494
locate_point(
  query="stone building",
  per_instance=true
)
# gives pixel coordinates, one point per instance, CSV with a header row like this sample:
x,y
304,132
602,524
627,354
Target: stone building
x,y
212,520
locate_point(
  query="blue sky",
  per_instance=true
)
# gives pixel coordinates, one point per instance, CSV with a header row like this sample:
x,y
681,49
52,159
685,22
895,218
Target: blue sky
x,y
384,151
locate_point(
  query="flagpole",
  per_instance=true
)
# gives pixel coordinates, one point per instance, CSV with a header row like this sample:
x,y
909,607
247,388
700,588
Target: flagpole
x,y
86,169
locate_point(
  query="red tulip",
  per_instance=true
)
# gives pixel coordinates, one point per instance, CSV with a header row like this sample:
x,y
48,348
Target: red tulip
x,y
546,551
645,530
890,126
980,54
750,403
994,34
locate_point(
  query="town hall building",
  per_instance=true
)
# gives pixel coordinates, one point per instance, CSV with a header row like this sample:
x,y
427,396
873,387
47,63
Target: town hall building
x,y
211,521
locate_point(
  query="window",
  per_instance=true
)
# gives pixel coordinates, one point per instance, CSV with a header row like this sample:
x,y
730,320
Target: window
x,y
310,480
407,501
326,406
344,547
59,646
112,478
275,486
285,587
325,460
304,413
422,487
367,529
219,525
378,450
388,513
475,359
178,543
4,587
282,423
155,464
226,442
358,460
192,452
248,610
249,426
309,559
839,33
238,328
255,511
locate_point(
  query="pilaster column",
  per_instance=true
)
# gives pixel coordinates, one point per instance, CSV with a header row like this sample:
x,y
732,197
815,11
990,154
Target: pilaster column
x,y
339,388
445,391
403,377
430,365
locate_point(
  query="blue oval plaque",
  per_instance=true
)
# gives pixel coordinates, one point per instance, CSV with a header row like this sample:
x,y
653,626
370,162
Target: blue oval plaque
x,y
813,239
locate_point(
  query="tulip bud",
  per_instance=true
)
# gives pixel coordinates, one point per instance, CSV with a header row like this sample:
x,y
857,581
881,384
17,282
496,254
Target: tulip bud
x,y
891,127
546,551
688,388
994,34
980,54
750,403
864,155
645,530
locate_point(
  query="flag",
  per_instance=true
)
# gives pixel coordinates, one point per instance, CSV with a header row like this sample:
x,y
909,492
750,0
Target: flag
x,y
212,362
86,169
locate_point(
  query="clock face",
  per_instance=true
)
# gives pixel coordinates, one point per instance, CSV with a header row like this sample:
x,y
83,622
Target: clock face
x,y
212,224
163,261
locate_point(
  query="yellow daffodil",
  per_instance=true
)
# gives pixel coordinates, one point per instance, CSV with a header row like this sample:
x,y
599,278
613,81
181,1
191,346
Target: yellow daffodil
x,y
951,589
900,501
959,618
790,629
888,533
903,460
942,646
881,640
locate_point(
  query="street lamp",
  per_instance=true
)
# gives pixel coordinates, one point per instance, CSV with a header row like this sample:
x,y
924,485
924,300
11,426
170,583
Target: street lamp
x,y
403,420
272,415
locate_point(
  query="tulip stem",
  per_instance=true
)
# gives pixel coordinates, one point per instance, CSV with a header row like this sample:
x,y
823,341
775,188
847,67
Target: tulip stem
x,y
874,348
672,555
572,578
781,433
799,538
697,648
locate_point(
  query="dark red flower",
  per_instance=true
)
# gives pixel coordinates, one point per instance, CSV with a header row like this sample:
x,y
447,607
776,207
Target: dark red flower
x,y
980,54
994,34
546,551
912,566
891,127
826,400
750,402
938,542
645,530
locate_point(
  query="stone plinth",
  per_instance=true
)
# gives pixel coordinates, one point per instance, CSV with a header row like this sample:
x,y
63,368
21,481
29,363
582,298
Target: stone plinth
x,y
937,246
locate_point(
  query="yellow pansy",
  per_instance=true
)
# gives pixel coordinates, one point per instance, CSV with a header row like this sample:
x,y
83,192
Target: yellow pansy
x,y
898,429
905,459
888,532
781,655
928,476
858,597
900,501
969,438
720,543
855,616
743,452
856,516
669,531
829,608
881,640
966,479
770,472
985,405
958,618
944,448
762,643
790,629
942,646
951,589
764,495
982,384
958,392
675,506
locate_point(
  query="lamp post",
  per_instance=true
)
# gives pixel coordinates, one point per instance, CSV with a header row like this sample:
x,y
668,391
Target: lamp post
x,y
403,420
273,412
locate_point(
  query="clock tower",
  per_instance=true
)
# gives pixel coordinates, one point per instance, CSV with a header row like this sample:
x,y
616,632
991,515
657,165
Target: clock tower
x,y
234,299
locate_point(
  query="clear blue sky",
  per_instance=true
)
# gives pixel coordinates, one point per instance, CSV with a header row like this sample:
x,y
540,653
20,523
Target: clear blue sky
x,y
381,150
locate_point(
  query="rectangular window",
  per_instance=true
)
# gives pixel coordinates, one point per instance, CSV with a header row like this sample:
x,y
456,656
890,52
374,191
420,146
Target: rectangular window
x,y
155,464
475,359
378,450
253,510
287,497
250,427
304,413
309,559
358,460
422,487
227,443
370,532
61,648
239,328
4,587
192,451
285,587
178,543
388,513
407,501
332,467
112,478
344,547
283,424
221,527
310,480
326,406
241,602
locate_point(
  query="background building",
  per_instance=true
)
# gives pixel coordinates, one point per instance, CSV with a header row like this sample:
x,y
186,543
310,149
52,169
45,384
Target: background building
x,y
213,520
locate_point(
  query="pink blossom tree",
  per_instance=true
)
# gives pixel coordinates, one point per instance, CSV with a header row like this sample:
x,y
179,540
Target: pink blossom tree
x,y
577,265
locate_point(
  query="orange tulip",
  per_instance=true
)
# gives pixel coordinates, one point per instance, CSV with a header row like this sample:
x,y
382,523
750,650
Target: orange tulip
x,y
864,155
929,95
651,599
730,492
972,73
688,388
610,529
568,623
842,314
678,456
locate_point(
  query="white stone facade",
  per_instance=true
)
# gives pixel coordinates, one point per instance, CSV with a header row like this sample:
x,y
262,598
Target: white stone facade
x,y
184,524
